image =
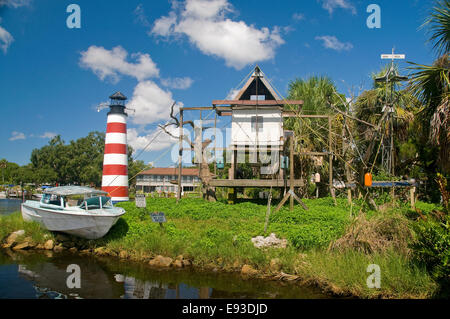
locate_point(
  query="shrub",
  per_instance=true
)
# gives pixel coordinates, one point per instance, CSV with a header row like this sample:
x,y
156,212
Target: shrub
x,y
432,246
376,234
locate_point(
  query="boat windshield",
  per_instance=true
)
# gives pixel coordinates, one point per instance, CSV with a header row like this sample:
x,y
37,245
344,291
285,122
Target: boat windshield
x,y
96,202
51,199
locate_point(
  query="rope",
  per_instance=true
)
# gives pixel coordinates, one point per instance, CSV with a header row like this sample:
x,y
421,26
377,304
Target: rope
x,y
139,154
311,129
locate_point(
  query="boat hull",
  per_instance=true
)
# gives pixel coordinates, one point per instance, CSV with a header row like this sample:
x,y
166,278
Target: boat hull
x,y
90,225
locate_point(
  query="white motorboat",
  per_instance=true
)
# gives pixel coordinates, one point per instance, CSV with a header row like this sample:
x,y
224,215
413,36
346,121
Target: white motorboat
x,y
91,216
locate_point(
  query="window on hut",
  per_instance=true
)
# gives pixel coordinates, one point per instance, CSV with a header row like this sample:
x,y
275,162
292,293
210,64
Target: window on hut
x,y
257,97
257,120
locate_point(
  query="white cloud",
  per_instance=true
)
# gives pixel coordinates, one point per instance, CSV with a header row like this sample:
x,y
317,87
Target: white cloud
x,y
48,135
111,63
178,83
206,9
232,94
151,103
140,16
14,3
331,42
164,25
205,24
330,5
159,139
5,39
17,136
298,16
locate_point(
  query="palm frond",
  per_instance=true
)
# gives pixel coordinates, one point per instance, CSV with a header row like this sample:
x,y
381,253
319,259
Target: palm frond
x,y
438,24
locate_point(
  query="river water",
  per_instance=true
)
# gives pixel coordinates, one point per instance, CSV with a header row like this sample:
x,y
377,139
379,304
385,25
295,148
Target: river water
x,y
43,274
35,275
8,206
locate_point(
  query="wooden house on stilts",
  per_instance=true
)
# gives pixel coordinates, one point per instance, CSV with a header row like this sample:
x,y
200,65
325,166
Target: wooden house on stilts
x,y
257,136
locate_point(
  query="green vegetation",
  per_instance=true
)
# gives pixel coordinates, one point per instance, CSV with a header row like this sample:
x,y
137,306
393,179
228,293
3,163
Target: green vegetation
x,y
433,247
325,245
328,245
217,230
345,272
14,222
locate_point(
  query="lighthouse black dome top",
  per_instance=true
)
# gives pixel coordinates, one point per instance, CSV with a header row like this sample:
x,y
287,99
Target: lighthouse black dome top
x,y
117,105
118,96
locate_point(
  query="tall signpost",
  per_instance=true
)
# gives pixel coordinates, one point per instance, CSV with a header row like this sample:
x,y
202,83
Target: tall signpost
x,y
390,78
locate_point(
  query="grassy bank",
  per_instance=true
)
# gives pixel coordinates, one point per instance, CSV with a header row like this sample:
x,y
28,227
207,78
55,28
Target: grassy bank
x,y
217,235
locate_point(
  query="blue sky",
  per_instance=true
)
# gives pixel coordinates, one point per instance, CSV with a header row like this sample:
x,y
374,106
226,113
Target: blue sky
x,y
190,52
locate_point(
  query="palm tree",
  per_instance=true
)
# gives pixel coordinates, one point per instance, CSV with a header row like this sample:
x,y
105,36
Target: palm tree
x,y
3,165
431,84
438,24
317,93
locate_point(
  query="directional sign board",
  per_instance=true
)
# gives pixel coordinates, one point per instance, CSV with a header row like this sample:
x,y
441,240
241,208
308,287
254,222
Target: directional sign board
x,y
393,56
140,201
158,217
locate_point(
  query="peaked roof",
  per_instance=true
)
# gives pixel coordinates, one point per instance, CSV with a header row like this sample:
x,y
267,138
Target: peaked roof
x,y
257,85
118,96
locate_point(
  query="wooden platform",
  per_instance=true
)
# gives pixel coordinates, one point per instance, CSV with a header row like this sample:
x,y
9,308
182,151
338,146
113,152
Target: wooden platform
x,y
264,183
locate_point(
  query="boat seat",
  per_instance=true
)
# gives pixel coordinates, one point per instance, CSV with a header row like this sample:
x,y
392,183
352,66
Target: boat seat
x,y
94,203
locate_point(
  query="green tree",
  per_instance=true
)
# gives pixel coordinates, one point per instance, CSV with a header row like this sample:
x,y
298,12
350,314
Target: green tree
x,y
85,163
9,171
431,85
3,166
53,156
318,94
134,167
370,107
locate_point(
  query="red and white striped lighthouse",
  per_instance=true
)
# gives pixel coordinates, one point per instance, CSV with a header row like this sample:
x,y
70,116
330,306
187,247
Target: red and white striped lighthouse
x,y
115,161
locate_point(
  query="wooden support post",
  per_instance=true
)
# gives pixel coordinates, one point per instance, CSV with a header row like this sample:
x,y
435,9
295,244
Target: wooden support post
x,y
285,198
199,153
180,157
412,192
232,171
291,172
330,157
393,196
215,144
349,195
298,200
268,212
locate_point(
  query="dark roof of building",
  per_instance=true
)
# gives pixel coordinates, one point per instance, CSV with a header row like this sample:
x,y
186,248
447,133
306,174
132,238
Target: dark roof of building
x,y
118,96
257,85
170,171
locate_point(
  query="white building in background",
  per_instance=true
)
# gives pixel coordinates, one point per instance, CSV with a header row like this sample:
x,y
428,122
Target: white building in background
x,y
161,179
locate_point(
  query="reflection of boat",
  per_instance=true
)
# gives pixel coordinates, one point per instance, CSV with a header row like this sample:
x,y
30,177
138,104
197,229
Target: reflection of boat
x,y
138,289
91,218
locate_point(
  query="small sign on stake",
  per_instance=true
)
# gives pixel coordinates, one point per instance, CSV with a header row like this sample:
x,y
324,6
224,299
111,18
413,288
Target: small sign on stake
x,y
140,201
158,217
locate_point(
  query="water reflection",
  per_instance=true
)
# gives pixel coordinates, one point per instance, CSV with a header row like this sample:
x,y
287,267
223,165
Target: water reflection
x,y
40,276
8,206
